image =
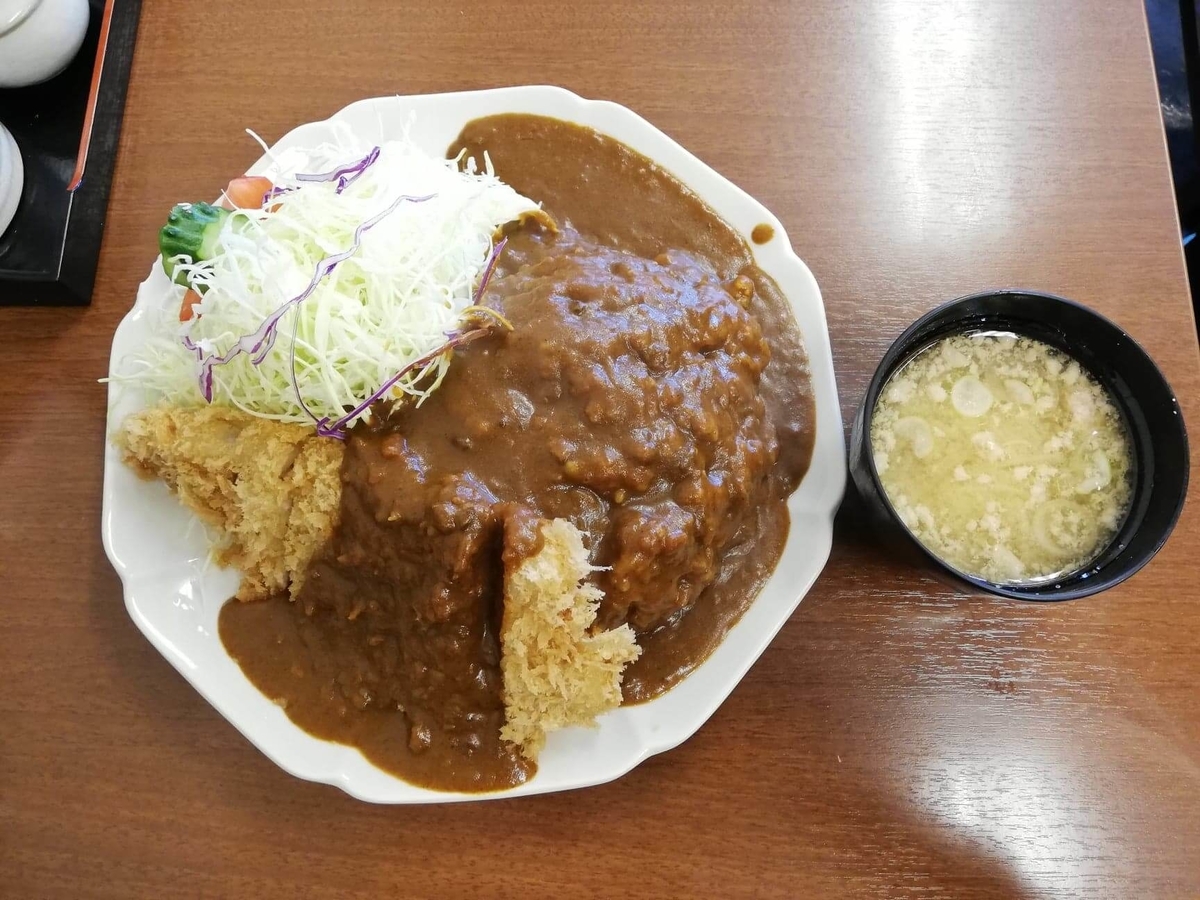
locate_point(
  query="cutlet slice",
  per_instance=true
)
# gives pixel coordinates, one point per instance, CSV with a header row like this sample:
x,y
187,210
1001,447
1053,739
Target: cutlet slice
x,y
273,493
555,672
272,490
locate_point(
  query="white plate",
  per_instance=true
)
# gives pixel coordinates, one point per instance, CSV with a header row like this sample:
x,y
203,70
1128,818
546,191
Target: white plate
x,y
160,550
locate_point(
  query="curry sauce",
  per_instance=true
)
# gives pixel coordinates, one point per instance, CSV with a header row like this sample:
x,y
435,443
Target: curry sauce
x,y
654,391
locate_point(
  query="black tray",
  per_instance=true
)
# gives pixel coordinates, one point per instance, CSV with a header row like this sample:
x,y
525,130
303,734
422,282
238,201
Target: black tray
x,y
48,254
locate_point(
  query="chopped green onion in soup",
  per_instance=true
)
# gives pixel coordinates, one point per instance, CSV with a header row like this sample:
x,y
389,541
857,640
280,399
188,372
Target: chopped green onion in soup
x,y
1003,456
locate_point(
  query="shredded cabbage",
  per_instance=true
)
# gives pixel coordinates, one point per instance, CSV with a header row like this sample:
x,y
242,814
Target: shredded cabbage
x,y
395,300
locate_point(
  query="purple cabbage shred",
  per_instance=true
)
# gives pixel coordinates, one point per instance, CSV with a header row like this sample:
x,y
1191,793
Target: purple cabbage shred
x,y
344,175
259,343
337,428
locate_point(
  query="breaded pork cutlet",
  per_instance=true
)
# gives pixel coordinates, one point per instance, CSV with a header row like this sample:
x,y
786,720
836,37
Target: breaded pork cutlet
x,y
556,673
273,491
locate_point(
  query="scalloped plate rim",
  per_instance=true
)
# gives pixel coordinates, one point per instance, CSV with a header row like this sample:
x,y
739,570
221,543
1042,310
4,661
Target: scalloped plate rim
x,y
812,507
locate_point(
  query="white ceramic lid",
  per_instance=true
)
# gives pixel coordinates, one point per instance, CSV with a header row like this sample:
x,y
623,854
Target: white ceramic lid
x,y
14,12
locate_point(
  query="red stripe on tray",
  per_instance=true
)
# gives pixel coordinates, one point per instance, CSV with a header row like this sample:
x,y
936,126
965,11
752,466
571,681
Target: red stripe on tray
x,y
85,139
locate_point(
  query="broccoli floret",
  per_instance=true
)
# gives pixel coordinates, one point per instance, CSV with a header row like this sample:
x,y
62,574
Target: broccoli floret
x,y
191,231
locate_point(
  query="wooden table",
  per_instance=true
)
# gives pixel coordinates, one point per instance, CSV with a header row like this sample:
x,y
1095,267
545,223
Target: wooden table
x,y
897,739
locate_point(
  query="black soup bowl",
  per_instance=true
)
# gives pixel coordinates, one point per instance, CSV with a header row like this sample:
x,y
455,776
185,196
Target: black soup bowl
x,y
1137,387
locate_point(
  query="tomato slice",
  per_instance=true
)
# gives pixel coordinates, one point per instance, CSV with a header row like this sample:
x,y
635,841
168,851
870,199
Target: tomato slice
x,y
247,191
186,312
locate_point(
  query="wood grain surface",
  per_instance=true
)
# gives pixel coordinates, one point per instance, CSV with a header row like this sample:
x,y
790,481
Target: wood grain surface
x,y
897,739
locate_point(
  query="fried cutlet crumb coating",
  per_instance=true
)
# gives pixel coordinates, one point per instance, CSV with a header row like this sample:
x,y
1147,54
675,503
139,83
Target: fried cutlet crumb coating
x,y
272,490
556,673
